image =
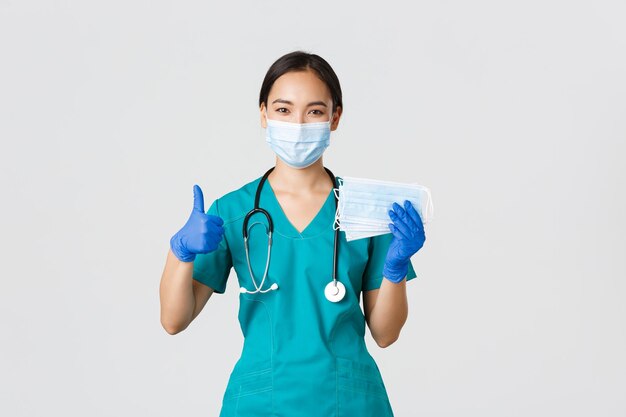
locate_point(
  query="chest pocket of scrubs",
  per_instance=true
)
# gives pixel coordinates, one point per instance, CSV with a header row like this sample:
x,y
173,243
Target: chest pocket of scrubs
x,y
360,390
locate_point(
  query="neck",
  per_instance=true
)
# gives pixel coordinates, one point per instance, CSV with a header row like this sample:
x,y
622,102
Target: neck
x,y
300,181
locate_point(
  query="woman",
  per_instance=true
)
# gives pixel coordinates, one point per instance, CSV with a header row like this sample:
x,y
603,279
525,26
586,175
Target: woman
x,y
303,354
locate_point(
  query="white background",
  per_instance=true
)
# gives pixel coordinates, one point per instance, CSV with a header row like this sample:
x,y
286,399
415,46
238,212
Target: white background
x,y
511,112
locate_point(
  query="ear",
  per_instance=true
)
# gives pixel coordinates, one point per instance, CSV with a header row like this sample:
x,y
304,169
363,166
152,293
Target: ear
x,y
336,117
262,114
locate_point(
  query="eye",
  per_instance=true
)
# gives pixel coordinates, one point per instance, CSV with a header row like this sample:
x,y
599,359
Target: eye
x,y
319,112
281,108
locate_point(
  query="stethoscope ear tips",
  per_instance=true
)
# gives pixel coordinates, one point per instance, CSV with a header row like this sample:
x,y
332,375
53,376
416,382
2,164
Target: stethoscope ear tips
x,y
242,290
274,286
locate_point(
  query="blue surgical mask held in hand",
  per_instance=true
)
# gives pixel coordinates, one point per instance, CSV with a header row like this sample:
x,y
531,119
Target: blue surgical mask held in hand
x,y
365,208
299,145
364,204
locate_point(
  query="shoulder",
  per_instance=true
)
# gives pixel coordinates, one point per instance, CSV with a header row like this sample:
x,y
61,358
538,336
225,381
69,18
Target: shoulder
x,y
236,203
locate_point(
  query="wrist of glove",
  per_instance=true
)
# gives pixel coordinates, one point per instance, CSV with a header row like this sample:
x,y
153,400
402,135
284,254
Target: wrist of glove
x,y
179,250
395,272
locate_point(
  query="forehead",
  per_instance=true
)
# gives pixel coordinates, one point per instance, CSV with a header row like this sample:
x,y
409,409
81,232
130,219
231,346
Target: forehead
x,y
295,85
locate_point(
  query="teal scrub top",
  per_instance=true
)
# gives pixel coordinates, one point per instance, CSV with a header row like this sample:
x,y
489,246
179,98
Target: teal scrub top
x,y
302,354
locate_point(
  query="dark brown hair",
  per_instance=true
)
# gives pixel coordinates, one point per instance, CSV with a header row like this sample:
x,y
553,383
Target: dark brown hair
x,y
301,61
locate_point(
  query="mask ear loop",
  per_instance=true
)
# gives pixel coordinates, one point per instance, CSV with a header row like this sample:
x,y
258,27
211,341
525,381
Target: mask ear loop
x,y
336,223
429,207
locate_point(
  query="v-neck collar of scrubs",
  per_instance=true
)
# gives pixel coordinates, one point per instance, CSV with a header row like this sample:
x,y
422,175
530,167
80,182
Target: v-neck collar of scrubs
x,y
322,221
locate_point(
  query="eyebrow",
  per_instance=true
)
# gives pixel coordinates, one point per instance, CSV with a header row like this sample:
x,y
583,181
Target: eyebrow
x,y
313,103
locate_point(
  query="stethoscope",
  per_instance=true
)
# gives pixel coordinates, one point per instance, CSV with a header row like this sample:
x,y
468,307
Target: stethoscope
x,y
334,290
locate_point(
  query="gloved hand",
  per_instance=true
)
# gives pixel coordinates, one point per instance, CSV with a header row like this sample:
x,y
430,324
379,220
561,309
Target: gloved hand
x,y
408,237
201,234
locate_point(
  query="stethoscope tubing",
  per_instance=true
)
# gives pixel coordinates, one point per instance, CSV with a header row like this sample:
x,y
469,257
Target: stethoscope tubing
x,y
270,230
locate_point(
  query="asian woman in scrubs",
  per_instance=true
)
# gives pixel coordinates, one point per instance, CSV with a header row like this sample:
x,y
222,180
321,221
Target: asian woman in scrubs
x,y
302,354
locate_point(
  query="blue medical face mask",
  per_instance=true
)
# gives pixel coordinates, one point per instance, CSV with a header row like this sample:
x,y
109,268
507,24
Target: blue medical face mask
x,y
299,145
364,204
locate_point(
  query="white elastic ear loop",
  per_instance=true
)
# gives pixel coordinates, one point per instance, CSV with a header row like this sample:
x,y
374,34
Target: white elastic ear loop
x,y
429,207
269,121
336,223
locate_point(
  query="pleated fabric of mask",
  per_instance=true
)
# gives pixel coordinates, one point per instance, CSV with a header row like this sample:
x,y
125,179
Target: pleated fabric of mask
x,y
299,145
364,204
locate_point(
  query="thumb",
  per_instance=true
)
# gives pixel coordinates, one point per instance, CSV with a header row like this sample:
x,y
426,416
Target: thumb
x,y
198,198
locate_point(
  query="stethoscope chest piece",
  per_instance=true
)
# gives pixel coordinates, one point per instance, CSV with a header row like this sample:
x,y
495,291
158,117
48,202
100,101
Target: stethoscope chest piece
x,y
334,291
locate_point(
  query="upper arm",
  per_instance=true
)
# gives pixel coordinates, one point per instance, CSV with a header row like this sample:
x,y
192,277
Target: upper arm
x,y
201,294
369,300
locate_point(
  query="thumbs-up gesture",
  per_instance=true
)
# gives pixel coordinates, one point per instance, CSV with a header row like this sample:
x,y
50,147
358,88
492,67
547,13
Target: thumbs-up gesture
x,y
201,234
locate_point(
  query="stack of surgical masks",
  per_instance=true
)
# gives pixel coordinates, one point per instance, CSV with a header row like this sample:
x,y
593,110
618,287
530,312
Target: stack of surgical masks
x,y
364,204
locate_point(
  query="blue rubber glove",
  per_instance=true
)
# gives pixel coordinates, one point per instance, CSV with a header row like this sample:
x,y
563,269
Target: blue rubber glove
x,y
408,237
201,234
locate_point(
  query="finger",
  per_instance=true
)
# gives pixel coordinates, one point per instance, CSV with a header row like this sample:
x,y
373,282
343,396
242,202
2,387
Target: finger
x,y
400,220
414,215
216,220
405,218
417,219
198,198
399,224
396,232
214,228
